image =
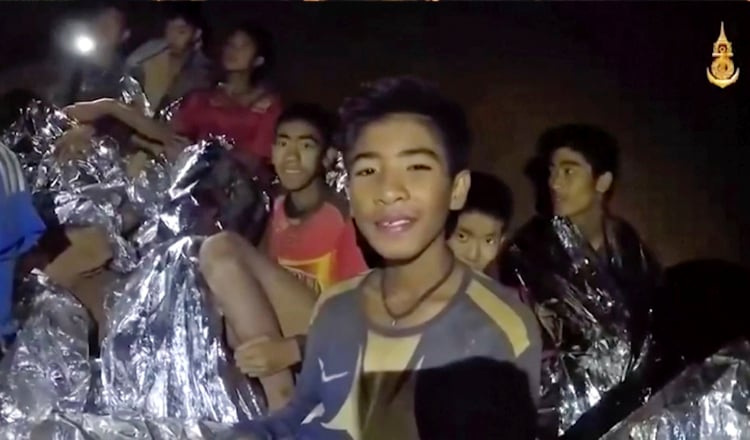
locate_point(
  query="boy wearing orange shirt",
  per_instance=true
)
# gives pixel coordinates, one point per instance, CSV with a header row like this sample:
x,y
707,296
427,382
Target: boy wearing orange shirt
x,y
267,295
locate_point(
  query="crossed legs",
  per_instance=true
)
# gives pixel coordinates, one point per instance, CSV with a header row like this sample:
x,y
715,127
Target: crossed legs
x,y
257,298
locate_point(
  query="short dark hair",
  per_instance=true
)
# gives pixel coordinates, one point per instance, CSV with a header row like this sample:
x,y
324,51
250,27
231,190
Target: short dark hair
x,y
597,146
121,7
408,95
313,114
487,195
264,48
189,12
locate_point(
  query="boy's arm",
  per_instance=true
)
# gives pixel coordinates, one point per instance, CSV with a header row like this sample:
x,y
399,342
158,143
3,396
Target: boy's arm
x,y
286,422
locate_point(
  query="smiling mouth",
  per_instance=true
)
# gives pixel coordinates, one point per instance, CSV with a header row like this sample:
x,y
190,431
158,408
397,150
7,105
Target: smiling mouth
x,y
395,225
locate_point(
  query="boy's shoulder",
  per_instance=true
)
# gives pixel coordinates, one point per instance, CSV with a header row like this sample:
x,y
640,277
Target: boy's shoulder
x,y
340,294
504,308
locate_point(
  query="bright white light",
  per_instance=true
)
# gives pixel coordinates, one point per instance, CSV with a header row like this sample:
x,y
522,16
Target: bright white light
x,y
84,44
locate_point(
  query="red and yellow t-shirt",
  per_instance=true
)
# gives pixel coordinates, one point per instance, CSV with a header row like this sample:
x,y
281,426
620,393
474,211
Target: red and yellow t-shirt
x,y
320,248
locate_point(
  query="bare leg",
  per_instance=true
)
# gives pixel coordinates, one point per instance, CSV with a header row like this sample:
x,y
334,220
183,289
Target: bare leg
x,y
230,266
89,250
292,299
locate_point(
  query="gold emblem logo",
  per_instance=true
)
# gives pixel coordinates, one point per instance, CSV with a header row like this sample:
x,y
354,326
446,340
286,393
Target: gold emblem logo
x,y
722,72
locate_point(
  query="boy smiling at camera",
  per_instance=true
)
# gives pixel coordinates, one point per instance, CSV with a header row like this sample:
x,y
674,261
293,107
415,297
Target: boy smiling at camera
x,y
406,149
267,294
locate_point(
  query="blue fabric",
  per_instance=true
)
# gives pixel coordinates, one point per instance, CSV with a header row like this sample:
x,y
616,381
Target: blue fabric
x,y
20,229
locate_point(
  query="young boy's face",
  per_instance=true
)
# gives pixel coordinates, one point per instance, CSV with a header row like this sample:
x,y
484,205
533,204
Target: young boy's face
x,y
401,186
297,154
574,188
477,239
179,35
110,29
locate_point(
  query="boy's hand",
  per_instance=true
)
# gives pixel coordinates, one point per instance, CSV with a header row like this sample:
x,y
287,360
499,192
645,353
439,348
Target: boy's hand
x,y
262,356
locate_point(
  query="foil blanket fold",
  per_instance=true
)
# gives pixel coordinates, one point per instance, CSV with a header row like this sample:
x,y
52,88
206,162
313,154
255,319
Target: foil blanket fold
x,y
587,313
163,371
710,401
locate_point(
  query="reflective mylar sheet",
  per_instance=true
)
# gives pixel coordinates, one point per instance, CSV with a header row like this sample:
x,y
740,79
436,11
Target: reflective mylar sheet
x,y
710,401
164,372
588,308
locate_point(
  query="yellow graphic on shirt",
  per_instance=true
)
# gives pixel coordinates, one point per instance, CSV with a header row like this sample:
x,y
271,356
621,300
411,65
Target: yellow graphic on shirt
x,y
380,394
387,402
315,273
507,319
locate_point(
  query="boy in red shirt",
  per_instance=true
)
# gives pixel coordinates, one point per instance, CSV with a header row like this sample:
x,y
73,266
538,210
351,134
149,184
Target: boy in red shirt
x,y
267,295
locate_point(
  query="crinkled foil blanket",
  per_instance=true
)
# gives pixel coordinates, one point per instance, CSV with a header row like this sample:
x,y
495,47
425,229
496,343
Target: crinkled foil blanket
x,y
590,323
710,401
163,371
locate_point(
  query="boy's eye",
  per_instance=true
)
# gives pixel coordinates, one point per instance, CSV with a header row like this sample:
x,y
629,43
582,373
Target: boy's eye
x,y
462,236
281,143
490,240
307,145
364,172
420,167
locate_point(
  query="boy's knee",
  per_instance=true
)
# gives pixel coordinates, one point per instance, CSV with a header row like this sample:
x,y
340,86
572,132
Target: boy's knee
x,y
218,250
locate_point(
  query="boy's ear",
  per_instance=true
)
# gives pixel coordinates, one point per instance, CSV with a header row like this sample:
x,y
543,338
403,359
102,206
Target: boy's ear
x,y
604,182
461,185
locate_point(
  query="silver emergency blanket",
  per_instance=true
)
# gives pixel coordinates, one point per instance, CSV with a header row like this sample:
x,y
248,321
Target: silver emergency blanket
x,y
164,372
96,427
131,93
163,354
168,112
47,369
585,309
337,176
710,401
89,189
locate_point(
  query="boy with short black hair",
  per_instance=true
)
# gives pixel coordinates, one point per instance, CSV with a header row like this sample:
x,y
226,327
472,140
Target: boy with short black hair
x,y
267,295
173,66
478,229
583,164
406,151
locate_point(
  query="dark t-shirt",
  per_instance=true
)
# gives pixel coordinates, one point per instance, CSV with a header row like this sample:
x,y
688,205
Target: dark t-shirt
x,y
86,81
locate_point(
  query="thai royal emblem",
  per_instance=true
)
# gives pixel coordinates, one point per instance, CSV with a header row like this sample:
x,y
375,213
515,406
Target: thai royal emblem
x,y
722,72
